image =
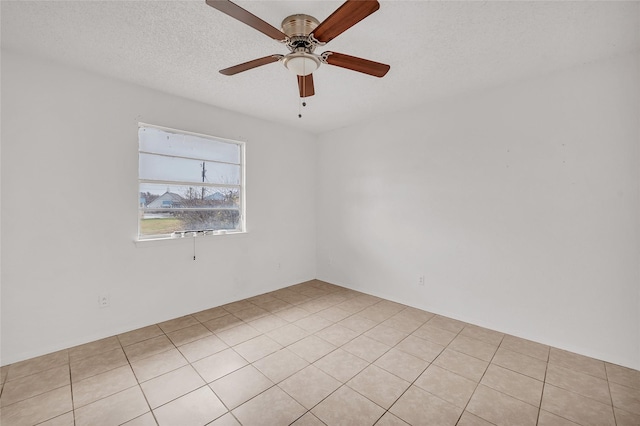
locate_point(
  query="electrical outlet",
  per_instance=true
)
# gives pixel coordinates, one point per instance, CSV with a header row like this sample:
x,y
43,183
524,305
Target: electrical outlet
x,y
421,280
103,300
279,267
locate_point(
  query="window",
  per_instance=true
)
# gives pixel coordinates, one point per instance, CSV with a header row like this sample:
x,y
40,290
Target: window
x,y
188,183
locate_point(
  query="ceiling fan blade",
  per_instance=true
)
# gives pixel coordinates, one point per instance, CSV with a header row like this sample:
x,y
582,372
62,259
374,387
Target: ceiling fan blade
x,y
357,64
251,64
305,85
346,16
235,11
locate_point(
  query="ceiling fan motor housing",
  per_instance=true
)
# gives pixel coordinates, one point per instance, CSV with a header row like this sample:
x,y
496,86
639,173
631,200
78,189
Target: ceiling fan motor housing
x,y
299,25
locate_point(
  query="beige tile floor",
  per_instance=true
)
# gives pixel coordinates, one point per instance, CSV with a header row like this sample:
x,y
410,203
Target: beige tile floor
x,y
315,354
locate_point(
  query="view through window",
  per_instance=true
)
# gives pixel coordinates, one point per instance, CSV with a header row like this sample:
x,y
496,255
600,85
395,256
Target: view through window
x,y
188,183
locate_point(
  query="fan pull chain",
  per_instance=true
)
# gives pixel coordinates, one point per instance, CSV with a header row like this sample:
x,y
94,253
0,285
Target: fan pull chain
x,y
301,104
303,95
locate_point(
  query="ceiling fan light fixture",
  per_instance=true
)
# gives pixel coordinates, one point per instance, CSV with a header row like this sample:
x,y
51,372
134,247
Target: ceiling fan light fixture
x,y
301,63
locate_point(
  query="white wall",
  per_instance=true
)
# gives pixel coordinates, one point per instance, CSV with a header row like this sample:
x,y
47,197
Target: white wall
x,y
69,211
520,206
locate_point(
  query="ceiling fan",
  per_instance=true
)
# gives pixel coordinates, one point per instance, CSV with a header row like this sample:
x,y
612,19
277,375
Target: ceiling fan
x,y
302,34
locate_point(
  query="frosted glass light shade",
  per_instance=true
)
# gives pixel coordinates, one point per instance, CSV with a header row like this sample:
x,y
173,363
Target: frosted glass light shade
x,y
301,63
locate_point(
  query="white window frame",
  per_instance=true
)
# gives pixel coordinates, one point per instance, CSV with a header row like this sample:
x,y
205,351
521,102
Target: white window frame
x,y
241,186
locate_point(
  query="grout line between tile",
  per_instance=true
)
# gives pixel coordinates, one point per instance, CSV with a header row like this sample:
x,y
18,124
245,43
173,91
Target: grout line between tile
x,y
544,388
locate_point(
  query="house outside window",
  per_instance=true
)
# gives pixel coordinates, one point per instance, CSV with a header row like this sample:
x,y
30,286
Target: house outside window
x,y
189,184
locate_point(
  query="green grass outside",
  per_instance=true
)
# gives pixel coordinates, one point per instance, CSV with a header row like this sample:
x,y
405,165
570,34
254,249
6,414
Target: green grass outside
x,y
159,226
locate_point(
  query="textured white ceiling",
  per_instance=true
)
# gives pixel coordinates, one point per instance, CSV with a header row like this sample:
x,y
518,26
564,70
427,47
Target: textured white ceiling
x,y
435,49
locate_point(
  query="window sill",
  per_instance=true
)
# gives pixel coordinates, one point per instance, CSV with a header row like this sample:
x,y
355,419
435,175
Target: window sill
x,y
148,242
